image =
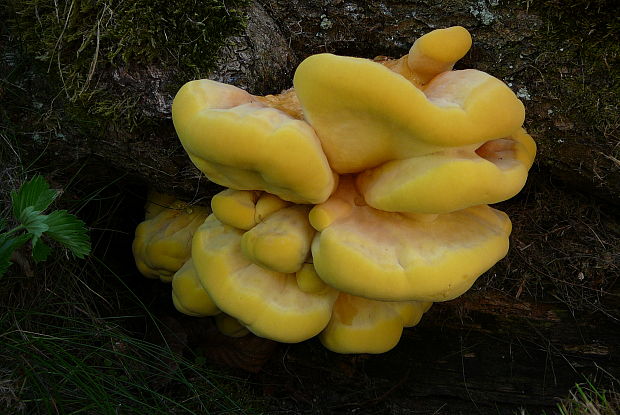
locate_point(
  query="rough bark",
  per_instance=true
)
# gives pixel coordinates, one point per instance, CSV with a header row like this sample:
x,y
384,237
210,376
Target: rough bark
x,y
542,318
511,41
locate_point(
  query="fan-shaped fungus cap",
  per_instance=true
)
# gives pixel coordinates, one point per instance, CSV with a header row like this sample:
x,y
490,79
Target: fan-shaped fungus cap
x,y
432,54
268,303
240,143
392,257
450,180
162,244
437,52
366,115
360,325
243,209
188,295
309,281
230,326
157,202
282,241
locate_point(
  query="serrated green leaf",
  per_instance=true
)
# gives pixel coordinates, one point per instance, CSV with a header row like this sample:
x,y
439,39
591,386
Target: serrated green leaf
x,y
8,244
69,231
36,193
33,221
40,251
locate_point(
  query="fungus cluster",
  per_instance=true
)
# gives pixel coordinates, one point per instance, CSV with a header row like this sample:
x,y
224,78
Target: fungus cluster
x,y
355,199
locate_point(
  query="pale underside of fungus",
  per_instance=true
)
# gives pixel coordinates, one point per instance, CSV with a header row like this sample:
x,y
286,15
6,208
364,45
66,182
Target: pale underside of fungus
x,y
355,199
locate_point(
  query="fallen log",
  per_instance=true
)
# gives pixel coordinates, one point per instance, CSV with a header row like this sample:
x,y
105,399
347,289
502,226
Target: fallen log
x,y
534,325
543,319
559,60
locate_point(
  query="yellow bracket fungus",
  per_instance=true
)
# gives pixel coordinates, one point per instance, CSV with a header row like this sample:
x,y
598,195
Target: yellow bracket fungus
x,y
239,142
162,244
425,139
367,115
268,303
308,280
389,256
293,249
359,325
434,53
282,242
230,326
188,294
451,180
157,202
243,209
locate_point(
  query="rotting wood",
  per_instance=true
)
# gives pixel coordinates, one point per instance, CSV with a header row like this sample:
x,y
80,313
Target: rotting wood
x,y
523,338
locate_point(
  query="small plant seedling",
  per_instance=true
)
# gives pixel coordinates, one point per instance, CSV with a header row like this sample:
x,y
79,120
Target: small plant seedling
x,y
28,204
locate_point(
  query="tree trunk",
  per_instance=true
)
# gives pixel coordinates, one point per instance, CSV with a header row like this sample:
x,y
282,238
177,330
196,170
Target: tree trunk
x,y
539,320
562,62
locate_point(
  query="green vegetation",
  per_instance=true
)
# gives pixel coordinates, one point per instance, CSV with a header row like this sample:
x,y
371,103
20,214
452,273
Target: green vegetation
x,y
587,399
29,202
76,45
77,38
80,337
58,363
64,356
75,336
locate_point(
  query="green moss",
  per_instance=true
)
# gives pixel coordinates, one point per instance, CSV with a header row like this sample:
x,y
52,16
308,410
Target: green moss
x,y
583,40
75,41
78,37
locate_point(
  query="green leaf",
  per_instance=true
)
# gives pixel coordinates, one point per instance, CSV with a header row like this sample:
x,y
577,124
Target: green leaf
x,y
33,221
36,193
8,244
40,251
69,231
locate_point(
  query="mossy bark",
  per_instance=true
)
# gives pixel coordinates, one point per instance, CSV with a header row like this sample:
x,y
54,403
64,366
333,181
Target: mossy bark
x,y
563,65
544,316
